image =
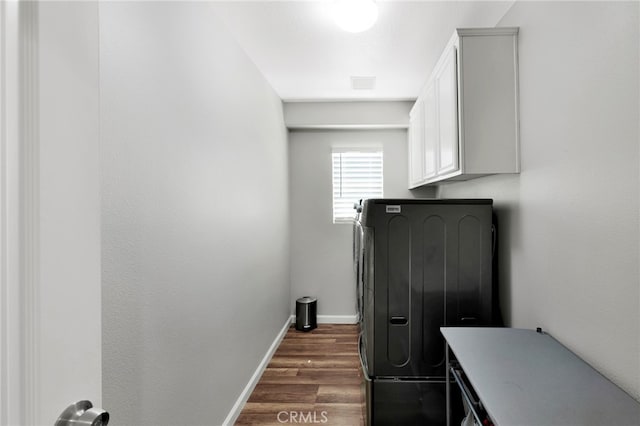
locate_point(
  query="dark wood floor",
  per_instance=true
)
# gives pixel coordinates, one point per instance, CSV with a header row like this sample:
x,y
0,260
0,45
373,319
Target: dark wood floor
x,y
313,378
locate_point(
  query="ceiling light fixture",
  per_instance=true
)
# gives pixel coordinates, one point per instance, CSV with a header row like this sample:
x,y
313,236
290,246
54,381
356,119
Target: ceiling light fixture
x,y
355,16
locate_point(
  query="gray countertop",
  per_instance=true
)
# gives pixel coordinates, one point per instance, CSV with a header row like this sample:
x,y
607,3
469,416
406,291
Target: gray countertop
x,y
526,378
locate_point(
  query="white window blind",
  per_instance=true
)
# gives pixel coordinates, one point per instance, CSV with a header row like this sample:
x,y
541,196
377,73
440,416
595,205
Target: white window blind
x,y
356,175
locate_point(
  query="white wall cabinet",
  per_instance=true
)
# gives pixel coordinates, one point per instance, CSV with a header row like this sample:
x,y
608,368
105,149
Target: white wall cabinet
x,y
430,141
416,145
464,123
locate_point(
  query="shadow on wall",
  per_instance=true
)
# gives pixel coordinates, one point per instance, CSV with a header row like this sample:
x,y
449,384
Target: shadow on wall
x,y
504,190
424,192
504,217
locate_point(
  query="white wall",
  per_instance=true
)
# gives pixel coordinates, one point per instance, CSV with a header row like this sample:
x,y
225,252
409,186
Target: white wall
x,y
347,114
321,252
195,214
569,222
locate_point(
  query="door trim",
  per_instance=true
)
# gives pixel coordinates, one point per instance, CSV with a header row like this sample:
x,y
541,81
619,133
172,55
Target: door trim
x,y
30,204
19,212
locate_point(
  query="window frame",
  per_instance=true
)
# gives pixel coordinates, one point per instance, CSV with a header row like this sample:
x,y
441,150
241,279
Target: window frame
x,y
374,183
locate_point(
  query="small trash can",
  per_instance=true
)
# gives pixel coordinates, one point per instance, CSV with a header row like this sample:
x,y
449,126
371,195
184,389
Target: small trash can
x,y
306,313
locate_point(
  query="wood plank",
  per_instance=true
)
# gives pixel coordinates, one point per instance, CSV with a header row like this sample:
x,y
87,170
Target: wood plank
x,y
340,394
342,414
279,372
315,362
265,392
259,419
330,372
303,340
310,380
348,339
313,350
274,407
339,407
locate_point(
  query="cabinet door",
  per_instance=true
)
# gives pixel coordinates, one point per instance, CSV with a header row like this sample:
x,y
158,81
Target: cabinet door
x,y
430,131
416,129
447,101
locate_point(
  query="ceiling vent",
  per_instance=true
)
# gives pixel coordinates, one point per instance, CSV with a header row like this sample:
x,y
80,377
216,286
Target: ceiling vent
x,y
363,83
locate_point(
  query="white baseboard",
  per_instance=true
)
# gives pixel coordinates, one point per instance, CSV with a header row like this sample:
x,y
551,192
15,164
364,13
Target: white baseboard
x,y
253,381
333,319
337,319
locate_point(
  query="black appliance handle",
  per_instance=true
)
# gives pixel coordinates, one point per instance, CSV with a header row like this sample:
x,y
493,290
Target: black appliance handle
x,y
469,321
398,320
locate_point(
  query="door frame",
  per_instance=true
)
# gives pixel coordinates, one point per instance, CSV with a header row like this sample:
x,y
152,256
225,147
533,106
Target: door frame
x,y
50,303
19,248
